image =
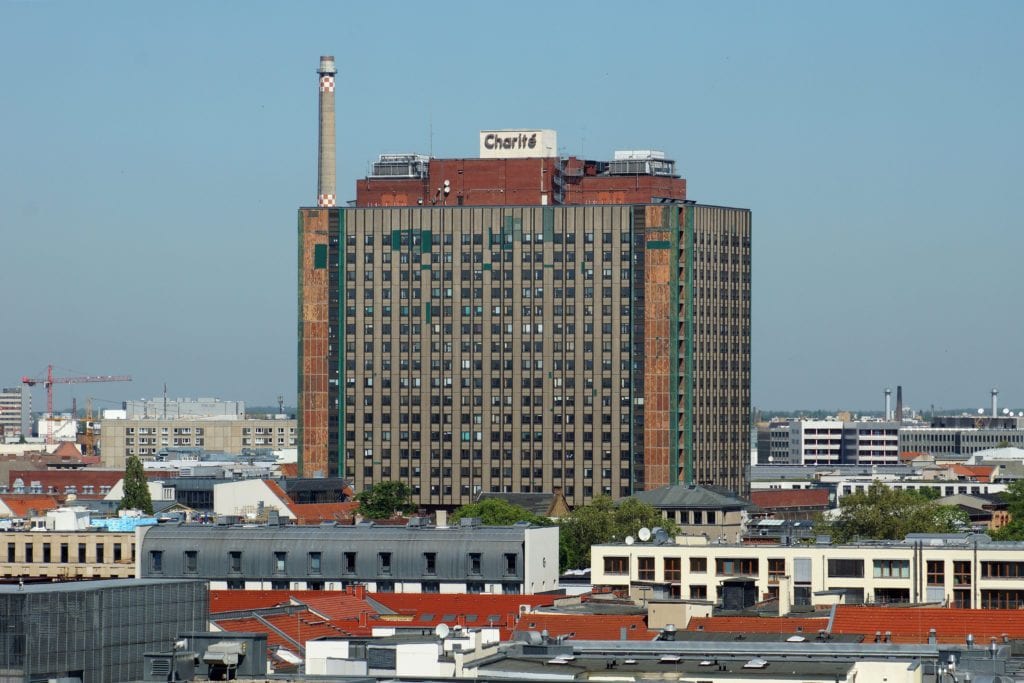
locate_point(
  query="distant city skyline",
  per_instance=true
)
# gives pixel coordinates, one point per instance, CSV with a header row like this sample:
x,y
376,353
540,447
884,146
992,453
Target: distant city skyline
x,y
155,156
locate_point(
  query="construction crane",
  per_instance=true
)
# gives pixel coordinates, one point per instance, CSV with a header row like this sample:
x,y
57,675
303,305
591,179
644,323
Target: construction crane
x,y
50,380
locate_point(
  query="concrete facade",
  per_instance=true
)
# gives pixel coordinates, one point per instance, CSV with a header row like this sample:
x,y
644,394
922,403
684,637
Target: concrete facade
x,y
15,412
68,556
144,437
961,570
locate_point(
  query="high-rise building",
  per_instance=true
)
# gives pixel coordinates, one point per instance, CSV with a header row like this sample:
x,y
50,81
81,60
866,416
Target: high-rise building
x,y
524,322
15,412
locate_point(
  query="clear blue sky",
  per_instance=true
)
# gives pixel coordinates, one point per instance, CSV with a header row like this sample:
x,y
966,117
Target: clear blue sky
x,y
153,155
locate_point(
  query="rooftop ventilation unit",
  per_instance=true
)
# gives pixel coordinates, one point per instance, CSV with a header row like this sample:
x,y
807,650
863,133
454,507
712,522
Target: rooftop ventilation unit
x,y
641,162
401,166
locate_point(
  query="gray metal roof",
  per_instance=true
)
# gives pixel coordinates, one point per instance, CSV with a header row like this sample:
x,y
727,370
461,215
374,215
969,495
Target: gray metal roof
x,y
689,497
83,586
327,532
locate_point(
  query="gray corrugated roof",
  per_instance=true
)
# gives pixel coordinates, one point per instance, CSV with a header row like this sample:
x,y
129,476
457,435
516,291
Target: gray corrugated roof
x,y
359,532
80,586
682,496
537,503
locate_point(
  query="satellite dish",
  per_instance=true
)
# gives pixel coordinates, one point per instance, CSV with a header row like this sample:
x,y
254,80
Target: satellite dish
x,y
660,535
442,631
629,540
644,534
981,411
1005,411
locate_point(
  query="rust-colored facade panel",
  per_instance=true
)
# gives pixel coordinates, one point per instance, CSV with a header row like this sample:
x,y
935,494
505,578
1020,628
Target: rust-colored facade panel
x,y
313,341
658,351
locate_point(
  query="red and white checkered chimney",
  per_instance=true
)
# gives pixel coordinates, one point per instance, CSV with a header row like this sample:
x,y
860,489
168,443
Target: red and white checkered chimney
x,y
325,185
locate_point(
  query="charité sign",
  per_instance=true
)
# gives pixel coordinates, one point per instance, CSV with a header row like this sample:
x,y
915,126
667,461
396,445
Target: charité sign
x,y
518,144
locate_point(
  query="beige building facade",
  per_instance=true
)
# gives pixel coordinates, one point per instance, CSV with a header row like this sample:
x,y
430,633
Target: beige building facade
x,y
145,437
959,570
67,555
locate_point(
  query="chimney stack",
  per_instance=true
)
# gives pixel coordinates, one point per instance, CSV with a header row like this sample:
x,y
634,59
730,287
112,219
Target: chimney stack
x,y
325,181
899,403
995,402
888,403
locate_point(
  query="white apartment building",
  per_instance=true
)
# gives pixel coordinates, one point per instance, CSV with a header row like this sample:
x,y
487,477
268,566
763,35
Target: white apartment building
x,y
15,413
963,570
815,442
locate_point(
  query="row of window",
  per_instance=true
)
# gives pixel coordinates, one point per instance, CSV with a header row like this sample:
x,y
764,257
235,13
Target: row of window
x,y
46,554
314,562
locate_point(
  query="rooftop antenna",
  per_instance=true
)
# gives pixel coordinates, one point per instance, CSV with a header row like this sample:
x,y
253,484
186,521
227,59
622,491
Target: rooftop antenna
x,y
280,404
164,416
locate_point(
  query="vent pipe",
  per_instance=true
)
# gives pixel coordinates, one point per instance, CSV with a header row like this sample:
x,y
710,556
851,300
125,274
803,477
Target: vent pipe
x,y
325,182
899,403
888,403
995,402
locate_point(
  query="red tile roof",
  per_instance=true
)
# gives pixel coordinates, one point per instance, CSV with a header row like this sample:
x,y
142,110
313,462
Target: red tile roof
x,y
981,473
25,505
66,449
911,624
314,513
59,479
757,624
460,603
790,498
588,626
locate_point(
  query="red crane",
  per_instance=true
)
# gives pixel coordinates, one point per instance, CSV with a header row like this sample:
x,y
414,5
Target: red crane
x,y
50,380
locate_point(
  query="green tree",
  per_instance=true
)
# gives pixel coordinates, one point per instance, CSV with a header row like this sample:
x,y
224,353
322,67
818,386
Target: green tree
x,y
498,512
385,499
603,521
1014,529
136,490
886,513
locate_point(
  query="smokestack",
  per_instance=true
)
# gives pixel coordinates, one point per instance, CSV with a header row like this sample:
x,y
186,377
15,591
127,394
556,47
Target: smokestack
x,y
995,402
325,182
899,403
888,404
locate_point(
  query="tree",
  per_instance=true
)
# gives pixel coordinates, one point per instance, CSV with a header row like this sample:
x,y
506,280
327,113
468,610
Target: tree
x,y
136,490
1014,529
886,513
603,521
498,512
385,499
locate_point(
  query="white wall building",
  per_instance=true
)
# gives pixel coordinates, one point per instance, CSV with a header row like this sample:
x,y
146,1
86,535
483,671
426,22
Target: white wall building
x,y
15,413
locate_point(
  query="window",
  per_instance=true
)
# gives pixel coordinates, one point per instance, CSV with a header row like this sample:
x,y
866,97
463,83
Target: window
x,y
235,561
847,569
698,592
236,584
698,565
892,569
279,585
1002,570
190,562
673,568
315,562
386,586
100,548
280,561
384,563
617,566
474,587
1002,599
46,553
962,572
936,572
430,563
117,552
645,569
156,561
430,587
511,564
81,553
474,563
776,569
736,566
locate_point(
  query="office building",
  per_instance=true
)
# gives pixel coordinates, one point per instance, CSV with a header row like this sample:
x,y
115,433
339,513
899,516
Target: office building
x,y
401,559
523,322
15,413
94,631
146,437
